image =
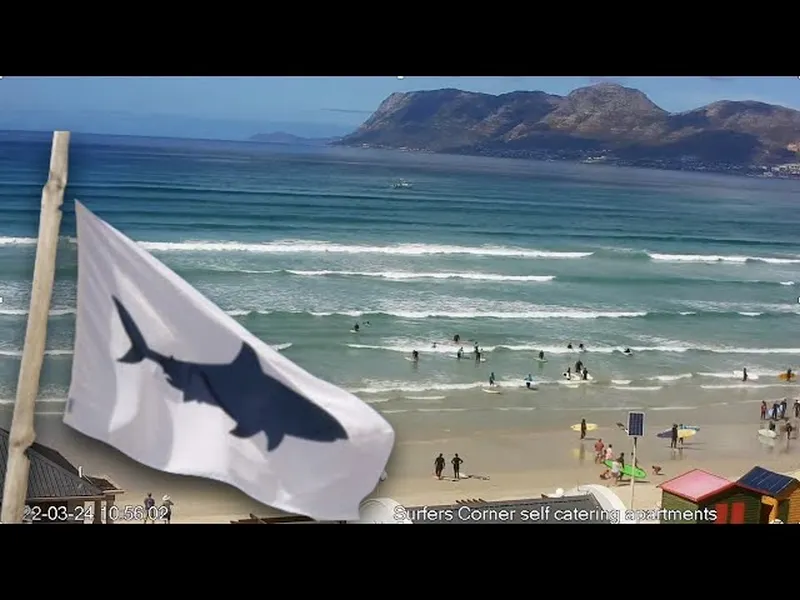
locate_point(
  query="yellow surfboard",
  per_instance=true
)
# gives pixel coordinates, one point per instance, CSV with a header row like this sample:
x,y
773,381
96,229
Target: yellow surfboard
x,y
785,377
589,427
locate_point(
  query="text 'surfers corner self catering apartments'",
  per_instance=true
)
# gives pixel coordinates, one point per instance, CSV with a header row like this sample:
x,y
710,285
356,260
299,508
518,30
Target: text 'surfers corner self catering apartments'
x,y
702,497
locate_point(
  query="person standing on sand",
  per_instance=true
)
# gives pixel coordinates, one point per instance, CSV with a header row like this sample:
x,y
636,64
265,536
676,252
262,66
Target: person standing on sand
x,y
599,448
149,505
763,410
673,438
784,407
796,407
457,462
438,465
583,428
616,472
610,452
680,437
789,430
167,504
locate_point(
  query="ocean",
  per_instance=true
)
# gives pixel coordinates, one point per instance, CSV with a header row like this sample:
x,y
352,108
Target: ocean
x,y
698,274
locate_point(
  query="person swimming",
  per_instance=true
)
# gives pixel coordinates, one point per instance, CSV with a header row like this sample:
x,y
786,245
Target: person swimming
x,y
541,354
356,327
460,353
569,346
528,381
491,378
415,355
434,345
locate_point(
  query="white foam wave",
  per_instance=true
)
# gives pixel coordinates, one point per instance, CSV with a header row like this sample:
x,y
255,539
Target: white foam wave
x,y
529,314
787,282
411,275
19,312
322,247
18,353
749,386
17,241
8,402
631,388
746,313
379,387
621,381
283,346
717,258
423,398
667,378
663,408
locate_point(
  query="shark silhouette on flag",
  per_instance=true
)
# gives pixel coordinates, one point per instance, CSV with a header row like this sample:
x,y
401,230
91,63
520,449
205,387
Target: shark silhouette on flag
x,y
256,401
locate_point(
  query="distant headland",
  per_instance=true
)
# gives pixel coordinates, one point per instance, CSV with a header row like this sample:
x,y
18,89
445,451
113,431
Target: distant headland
x,y
603,123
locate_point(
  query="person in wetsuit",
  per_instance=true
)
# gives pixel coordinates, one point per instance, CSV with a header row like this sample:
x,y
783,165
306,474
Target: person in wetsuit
x,y
583,428
585,374
460,353
457,466
528,381
628,351
568,374
477,355
541,354
578,366
491,378
415,355
356,327
581,347
744,373
438,466
456,338
569,346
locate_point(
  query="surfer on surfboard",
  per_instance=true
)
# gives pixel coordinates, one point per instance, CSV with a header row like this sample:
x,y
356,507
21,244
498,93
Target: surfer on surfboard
x,y
627,352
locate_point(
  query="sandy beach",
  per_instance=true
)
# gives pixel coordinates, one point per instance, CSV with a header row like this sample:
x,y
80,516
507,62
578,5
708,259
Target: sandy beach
x,y
506,462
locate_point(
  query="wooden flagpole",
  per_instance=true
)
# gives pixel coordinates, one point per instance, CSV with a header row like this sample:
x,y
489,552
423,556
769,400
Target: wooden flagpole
x,y
22,433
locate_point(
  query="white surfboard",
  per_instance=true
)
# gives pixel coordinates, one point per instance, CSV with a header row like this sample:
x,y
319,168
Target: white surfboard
x,y
767,433
353,331
541,360
488,391
409,359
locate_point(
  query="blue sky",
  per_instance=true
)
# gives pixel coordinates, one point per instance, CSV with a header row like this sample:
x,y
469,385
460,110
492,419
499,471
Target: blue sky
x,y
238,107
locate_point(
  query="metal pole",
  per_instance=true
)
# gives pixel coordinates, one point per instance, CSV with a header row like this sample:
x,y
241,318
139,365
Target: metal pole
x,y
633,470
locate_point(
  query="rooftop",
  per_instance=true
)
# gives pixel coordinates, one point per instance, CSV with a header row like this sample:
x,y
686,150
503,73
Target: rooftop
x,y
566,509
696,485
766,482
51,475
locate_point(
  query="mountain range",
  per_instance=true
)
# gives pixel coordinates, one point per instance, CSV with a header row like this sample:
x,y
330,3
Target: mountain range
x,y
603,122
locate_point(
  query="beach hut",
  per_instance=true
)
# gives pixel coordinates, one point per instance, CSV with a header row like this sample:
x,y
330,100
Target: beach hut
x,y
780,494
702,497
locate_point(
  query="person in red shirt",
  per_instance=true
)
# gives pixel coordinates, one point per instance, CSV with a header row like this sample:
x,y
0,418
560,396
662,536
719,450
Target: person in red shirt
x,y
599,451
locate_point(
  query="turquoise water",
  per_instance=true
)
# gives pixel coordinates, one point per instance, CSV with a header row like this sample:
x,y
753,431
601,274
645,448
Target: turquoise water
x,y
696,273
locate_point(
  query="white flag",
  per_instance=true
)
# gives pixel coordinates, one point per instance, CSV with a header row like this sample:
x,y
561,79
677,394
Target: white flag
x,y
165,376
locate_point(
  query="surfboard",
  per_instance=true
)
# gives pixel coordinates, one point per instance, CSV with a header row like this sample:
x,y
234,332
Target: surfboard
x,y
767,433
541,360
682,433
488,391
629,470
589,427
353,331
578,379
409,359
785,377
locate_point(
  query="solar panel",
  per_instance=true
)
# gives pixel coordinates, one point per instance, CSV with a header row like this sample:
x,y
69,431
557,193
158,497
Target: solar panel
x,y
635,424
766,482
